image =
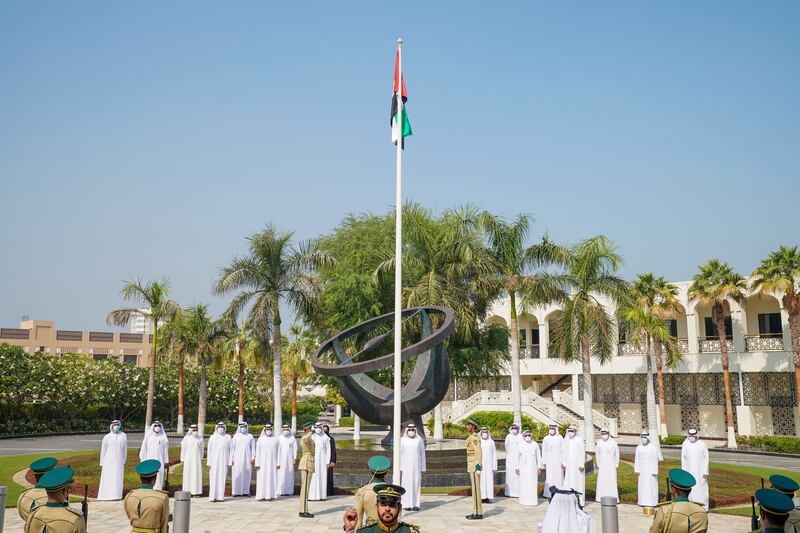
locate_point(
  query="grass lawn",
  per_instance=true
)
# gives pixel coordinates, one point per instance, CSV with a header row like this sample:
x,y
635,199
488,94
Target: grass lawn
x,y
12,464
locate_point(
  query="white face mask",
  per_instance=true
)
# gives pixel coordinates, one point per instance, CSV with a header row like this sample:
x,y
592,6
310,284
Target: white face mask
x,y
268,432
644,440
286,432
412,432
604,436
157,429
220,431
570,434
528,438
318,431
514,431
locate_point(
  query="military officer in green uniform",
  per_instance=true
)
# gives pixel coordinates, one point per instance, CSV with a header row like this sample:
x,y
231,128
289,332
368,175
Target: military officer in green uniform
x,y
147,509
789,487
56,516
680,515
474,459
389,507
35,496
775,508
306,467
366,499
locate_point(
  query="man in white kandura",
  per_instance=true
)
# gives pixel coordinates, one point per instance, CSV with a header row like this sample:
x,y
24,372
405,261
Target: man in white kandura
x,y
155,446
694,459
552,455
412,465
267,465
113,453
645,465
574,463
322,458
606,455
529,462
192,459
488,465
513,440
287,453
219,454
243,455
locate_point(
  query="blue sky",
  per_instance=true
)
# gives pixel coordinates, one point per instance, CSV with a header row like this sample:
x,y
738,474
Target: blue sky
x,y
150,138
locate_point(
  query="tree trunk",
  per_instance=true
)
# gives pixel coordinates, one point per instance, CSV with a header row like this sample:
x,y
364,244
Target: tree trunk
x,y
151,379
662,408
294,403
588,414
719,319
241,391
794,330
516,386
652,421
180,395
203,400
276,369
438,423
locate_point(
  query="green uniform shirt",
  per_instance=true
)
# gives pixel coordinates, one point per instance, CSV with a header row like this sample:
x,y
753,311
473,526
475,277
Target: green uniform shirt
x,y
147,510
367,505
55,518
680,516
400,527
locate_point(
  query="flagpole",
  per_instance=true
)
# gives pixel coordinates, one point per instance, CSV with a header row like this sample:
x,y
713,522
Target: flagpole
x,y
398,274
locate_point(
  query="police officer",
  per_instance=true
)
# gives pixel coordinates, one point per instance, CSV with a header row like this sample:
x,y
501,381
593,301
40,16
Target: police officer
x,y
35,496
147,508
789,487
366,499
306,467
680,515
775,508
474,458
389,507
56,516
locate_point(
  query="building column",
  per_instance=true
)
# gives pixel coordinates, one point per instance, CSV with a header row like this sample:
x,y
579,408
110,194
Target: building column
x,y
738,324
576,388
787,334
356,427
544,339
691,333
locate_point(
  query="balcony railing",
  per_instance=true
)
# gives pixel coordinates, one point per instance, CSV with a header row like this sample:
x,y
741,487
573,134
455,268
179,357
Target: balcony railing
x,y
683,345
529,352
711,345
631,348
764,343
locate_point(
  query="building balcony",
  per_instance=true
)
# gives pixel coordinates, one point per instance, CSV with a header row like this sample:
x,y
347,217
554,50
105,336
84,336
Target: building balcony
x,y
683,345
764,343
631,348
711,345
529,352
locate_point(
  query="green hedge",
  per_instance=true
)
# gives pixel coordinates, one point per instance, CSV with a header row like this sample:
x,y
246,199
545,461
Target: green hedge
x,y
498,423
346,421
771,444
672,440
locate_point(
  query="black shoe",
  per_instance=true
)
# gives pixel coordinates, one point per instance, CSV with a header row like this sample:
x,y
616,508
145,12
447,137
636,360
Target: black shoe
x,y
416,508
475,517
306,515
408,508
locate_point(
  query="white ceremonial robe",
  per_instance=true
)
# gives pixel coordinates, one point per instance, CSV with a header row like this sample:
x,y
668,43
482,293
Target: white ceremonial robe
x,y
511,488
412,465
564,516
267,467
694,459
155,446
552,455
488,467
243,453
607,459
287,453
645,464
322,456
192,459
529,461
113,453
575,457
219,454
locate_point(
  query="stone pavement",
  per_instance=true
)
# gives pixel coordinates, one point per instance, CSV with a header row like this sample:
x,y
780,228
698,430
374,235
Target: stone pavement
x,y
439,514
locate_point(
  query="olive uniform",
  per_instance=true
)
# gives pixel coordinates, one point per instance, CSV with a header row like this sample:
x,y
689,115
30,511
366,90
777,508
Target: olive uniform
x,y
776,504
366,498
53,516
399,527
680,515
306,467
388,493
789,487
474,459
35,496
793,523
147,510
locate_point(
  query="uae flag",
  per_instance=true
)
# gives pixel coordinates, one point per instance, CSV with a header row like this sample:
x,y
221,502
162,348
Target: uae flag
x,y
401,127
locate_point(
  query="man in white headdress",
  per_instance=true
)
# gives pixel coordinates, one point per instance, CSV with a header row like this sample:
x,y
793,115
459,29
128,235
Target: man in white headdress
x,y
488,465
575,463
219,454
607,459
322,458
513,440
156,446
412,465
565,514
287,453
192,459
529,462
113,452
645,465
267,465
694,459
552,455
243,455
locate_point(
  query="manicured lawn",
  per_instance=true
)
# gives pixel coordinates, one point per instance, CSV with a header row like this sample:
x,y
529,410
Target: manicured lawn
x,y
12,464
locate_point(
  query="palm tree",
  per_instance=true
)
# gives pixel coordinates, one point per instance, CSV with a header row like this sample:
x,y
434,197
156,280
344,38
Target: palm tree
x,y
154,295
715,285
297,363
780,274
513,260
243,350
273,272
584,327
171,345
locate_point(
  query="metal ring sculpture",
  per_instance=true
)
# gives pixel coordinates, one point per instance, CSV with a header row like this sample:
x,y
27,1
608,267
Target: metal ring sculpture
x,y
374,402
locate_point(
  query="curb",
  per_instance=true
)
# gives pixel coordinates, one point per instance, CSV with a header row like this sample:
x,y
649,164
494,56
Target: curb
x,y
728,450
76,433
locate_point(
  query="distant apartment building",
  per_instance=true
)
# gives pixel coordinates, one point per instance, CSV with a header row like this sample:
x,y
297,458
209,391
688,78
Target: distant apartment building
x,y
42,336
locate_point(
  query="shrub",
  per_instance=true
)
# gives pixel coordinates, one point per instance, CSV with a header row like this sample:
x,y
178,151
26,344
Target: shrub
x,y
771,444
672,440
346,421
497,422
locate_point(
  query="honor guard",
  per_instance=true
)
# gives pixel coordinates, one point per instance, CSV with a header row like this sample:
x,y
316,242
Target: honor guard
x,y
389,508
680,515
789,487
56,516
775,508
366,499
306,467
35,496
474,459
147,508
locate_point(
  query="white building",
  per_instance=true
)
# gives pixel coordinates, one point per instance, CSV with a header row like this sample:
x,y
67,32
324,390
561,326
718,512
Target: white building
x,y
141,323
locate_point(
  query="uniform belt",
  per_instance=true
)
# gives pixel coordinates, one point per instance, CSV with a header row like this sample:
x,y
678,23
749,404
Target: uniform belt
x,y
135,529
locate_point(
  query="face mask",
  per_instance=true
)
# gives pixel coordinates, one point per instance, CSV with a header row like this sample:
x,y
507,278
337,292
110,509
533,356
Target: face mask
x,y
318,431
644,440
570,434
528,438
220,431
286,432
243,431
484,436
157,429
604,437
411,432
115,429
514,431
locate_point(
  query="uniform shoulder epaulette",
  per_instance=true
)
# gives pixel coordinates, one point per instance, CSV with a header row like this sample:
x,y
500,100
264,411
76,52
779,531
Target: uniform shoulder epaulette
x,y
74,511
662,504
412,527
371,522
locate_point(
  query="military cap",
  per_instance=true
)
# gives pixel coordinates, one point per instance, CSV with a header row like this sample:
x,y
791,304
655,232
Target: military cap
x,y
472,421
784,484
307,425
379,463
682,479
389,492
40,466
774,502
56,479
148,468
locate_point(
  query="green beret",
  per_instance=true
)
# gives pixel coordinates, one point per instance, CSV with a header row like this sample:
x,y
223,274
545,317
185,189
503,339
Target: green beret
x,y
148,468
307,425
774,502
56,479
379,463
784,484
40,466
682,479
472,421
389,492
